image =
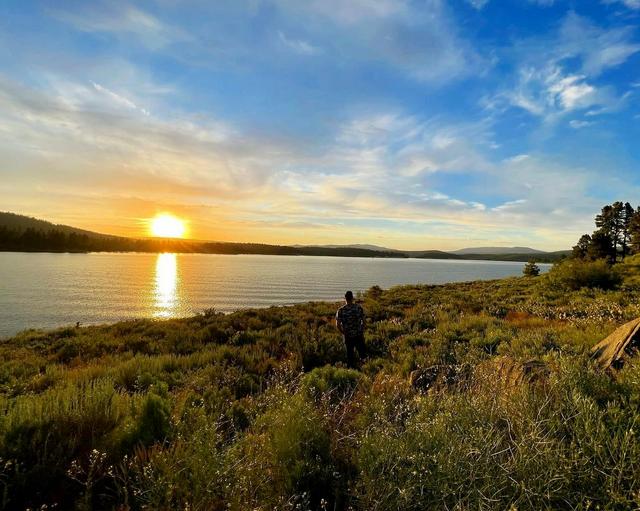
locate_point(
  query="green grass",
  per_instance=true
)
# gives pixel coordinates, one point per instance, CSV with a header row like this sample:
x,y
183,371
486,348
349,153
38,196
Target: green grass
x,y
256,410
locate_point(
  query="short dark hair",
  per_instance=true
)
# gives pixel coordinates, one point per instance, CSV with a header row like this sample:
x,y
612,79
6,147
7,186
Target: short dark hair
x,y
348,296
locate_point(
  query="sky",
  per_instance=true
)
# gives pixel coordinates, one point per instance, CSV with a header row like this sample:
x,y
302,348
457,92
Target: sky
x,y
426,124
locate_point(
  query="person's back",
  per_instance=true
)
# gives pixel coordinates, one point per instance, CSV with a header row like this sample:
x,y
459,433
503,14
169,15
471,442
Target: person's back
x,y
351,317
350,322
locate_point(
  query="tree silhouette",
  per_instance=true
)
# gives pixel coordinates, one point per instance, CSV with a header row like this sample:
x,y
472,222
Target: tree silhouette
x,y
616,236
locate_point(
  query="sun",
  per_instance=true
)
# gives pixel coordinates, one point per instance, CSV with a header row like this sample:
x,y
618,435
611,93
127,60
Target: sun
x,y
167,226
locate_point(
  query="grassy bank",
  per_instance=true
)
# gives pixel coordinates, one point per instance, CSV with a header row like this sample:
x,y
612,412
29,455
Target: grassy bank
x,y
254,410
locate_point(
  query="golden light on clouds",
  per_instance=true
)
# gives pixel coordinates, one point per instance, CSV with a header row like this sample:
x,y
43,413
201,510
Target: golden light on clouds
x,y
167,226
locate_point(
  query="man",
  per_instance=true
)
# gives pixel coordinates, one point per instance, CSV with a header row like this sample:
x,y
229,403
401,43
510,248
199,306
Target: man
x,y
350,322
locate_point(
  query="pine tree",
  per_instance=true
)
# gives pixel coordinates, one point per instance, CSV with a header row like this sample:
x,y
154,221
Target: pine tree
x,y
605,223
581,250
627,216
600,247
531,269
634,232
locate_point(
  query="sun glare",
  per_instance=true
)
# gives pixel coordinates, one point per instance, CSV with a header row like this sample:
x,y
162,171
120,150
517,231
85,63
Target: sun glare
x,y
167,226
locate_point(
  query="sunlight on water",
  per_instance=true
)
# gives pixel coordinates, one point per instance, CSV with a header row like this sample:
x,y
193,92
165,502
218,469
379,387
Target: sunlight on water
x,y
49,290
166,290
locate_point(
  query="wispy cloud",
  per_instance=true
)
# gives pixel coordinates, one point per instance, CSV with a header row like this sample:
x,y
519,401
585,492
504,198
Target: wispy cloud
x,y
298,45
598,48
559,74
478,4
631,4
578,124
423,40
117,98
120,19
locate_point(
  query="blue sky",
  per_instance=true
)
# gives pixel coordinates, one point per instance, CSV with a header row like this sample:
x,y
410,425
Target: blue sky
x,y
426,124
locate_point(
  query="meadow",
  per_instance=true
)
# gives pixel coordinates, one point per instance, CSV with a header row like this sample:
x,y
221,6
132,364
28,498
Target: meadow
x,y
256,410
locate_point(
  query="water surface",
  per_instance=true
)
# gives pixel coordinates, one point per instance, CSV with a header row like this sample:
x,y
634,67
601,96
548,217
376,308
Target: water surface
x,y
48,290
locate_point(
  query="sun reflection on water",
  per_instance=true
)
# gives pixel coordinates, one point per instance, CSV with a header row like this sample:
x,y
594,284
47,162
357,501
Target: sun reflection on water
x,y
166,290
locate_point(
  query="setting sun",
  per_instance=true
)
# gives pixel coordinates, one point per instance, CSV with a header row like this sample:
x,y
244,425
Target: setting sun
x,y
167,226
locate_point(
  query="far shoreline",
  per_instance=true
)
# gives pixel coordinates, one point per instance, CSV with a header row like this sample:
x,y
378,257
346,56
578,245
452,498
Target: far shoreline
x,y
504,258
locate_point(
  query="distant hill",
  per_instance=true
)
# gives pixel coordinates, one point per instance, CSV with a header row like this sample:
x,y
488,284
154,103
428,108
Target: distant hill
x,y
25,234
21,223
432,254
539,257
362,246
497,250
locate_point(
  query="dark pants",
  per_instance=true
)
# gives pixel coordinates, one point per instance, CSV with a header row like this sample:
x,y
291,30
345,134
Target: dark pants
x,y
354,342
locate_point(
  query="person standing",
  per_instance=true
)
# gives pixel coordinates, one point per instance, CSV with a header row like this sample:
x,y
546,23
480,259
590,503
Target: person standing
x,y
350,322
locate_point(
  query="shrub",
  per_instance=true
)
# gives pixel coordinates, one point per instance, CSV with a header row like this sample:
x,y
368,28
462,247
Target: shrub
x,y
575,274
285,461
188,474
41,435
334,382
531,269
154,423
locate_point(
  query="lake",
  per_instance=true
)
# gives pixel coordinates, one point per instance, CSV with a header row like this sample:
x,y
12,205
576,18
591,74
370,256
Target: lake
x,y
43,290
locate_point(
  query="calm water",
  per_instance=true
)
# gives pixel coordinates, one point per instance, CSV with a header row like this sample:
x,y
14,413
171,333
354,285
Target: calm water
x,y
49,290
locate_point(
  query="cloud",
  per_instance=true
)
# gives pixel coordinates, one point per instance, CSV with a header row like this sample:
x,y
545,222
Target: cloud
x,y
598,48
121,19
96,136
298,45
550,92
577,124
518,158
478,4
560,74
422,40
355,12
631,4
117,98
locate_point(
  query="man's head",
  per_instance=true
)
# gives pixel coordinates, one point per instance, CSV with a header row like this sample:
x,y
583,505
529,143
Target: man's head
x,y
348,296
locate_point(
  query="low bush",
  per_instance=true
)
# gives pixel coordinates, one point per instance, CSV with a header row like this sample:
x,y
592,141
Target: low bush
x,y
575,274
332,382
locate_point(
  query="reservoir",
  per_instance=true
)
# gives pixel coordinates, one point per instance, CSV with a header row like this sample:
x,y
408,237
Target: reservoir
x,y
45,290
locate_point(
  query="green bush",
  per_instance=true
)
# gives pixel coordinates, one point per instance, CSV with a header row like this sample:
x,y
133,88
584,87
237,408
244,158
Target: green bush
x,y
154,423
285,461
41,435
531,269
333,382
575,274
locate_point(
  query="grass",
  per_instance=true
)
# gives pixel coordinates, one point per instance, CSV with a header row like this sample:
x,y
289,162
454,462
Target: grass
x,y
255,410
